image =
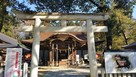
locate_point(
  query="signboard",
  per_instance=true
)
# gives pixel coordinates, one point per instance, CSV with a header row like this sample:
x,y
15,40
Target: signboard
x,y
120,62
13,62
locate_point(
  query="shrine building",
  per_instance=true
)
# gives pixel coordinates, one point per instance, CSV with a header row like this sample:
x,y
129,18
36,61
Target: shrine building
x,y
57,41
62,49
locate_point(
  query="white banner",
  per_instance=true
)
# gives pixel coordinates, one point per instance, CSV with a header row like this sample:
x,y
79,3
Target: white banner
x,y
120,62
13,62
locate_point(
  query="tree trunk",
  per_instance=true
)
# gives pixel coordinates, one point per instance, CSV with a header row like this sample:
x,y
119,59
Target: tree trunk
x,y
1,21
125,38
1,25
4,4
109,40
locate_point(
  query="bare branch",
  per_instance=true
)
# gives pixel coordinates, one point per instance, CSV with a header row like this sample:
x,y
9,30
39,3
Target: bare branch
x,y
95,3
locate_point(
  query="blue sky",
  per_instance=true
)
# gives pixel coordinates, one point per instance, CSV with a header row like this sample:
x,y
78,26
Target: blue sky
x,y
134,12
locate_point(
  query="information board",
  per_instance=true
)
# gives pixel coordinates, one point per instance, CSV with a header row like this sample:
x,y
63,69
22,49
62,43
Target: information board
x,y
120,62
13,62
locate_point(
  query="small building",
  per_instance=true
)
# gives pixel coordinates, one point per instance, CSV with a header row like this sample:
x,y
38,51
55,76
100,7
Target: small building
x,y
131,46
8,42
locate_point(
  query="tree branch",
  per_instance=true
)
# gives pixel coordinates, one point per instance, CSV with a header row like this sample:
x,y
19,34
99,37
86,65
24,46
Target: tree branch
x,y
95,4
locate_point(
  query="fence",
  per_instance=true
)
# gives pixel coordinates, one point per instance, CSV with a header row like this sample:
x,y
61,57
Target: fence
x,y
102,73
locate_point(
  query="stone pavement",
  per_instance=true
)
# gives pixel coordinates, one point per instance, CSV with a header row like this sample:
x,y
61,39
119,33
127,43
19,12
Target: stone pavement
x,y
67,72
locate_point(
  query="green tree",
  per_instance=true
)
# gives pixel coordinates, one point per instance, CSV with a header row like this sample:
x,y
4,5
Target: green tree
x,y
4,4
71,6
63,6
120,10
8,22
6,14
117,8
3,12
117,24
131,31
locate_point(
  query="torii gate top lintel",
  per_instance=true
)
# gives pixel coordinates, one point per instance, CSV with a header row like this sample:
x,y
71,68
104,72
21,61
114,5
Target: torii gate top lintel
x,y
64,16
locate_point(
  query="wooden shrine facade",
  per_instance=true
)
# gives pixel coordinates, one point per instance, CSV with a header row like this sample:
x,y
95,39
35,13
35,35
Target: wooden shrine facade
x,y
59,49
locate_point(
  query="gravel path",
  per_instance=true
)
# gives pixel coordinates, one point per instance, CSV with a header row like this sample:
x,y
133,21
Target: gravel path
x,y
66,72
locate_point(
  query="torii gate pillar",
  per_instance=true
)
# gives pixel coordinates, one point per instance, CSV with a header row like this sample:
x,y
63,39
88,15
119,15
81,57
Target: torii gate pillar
x,y
35,48
91,49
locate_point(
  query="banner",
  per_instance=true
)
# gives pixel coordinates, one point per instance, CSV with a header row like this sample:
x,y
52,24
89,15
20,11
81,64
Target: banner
x,y
13,62
120,62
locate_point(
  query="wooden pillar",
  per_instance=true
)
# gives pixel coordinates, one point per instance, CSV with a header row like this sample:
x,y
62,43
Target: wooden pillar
x,y
68,50
69,55
35,49
50,62
91,49
44,58
75,56
68,61
53,54
57,59
72,54
82,55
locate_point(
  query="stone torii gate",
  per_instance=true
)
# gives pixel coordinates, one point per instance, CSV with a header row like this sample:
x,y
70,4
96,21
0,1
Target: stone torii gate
x,y
90,29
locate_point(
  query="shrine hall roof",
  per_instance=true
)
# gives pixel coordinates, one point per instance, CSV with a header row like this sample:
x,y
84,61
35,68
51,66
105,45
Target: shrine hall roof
x,y
81,37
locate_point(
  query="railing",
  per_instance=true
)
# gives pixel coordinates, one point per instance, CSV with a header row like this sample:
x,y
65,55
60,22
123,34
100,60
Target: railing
x,y
102,73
